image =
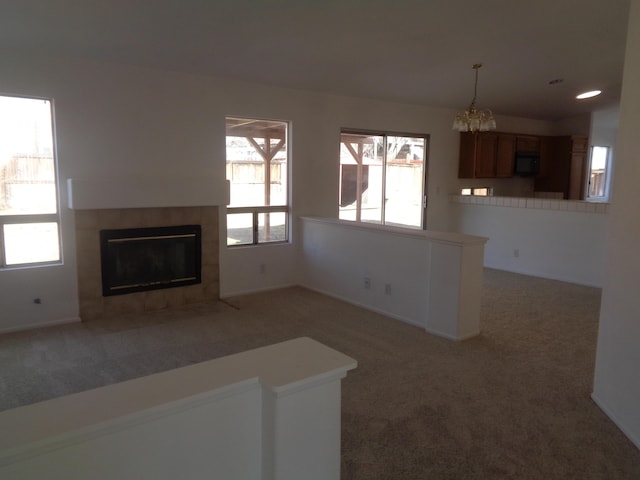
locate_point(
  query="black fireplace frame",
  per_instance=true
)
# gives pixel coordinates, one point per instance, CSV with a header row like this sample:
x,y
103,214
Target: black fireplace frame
x,y
110,238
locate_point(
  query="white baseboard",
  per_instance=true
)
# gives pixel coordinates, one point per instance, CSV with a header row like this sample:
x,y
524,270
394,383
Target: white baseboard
x,y
362,305
430,331
614,419
237,293
30,326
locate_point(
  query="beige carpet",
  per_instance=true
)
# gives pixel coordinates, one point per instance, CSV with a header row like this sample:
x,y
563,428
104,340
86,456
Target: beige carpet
x,y
512,403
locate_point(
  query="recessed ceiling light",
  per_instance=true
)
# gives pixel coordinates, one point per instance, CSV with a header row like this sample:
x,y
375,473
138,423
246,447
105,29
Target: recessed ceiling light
x,y
590,94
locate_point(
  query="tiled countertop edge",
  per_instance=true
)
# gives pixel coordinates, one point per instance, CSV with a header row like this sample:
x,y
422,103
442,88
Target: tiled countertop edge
x,y
537,203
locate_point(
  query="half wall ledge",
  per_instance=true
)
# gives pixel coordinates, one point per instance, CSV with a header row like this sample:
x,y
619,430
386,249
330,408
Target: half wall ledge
x,y
264,414
429,279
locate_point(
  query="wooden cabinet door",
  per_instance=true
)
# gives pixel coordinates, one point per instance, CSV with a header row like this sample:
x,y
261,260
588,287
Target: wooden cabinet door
x,y
528,143
555,160
486,150
505,156
545,158
467,155
579,143
578,175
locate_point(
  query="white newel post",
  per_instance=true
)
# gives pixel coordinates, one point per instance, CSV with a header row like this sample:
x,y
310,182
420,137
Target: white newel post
x,y
304,436
455,288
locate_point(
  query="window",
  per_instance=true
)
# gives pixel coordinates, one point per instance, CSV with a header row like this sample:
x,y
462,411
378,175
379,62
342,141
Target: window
x,y
599,173
29,225
383,178
257,169
478,192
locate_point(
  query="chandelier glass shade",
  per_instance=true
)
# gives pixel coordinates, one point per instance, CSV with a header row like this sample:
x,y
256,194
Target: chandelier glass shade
x,y
472,119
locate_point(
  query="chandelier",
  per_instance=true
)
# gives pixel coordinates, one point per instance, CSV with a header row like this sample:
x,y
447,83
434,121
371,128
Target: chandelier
x,y
473,120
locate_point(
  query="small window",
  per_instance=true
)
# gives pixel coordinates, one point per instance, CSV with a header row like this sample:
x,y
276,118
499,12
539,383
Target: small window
x,y
29,224
257,170
479,192
599,173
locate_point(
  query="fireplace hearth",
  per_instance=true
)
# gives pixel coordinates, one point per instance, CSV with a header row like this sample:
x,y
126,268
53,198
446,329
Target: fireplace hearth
x,y
140,259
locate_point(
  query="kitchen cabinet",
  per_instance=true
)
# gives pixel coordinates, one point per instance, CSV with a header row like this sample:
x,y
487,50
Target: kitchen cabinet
x,y
486,149
563,159
555,157
505,155
486,155
563,166
577,174
467,155
527,143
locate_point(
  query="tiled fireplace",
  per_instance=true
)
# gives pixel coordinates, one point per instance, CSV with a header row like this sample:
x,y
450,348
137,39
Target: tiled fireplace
x,y
90,222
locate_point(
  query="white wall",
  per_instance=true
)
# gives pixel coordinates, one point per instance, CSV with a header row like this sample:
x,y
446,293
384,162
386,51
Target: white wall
x,y
604,132
578,125
617,376
122,121
562,245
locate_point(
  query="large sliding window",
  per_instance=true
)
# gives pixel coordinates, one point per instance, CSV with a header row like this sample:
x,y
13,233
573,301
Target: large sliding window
x,y
257,169
383,178
29,224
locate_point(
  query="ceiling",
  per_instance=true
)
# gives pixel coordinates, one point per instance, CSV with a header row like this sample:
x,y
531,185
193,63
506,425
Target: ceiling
x,y
413,51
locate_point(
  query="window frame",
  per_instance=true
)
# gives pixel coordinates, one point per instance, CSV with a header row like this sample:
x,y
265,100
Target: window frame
x,y
257,210
477,191
36,218
424,178
607,175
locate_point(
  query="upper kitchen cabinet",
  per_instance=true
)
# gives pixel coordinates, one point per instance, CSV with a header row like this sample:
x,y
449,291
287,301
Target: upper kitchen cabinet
x,y
486,155
486,150
562,159
467,155
578,174
563,166
505,155
555,169
527,143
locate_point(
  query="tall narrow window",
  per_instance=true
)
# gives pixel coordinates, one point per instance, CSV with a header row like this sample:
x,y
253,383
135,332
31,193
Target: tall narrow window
x,y
257,169
29,225
599,173
383,178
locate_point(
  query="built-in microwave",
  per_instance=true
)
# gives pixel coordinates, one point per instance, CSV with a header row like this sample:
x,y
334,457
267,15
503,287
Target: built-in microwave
x,y
527,163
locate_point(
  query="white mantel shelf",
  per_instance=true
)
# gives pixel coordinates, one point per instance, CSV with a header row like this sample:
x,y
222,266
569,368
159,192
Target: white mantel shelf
x,y
146,192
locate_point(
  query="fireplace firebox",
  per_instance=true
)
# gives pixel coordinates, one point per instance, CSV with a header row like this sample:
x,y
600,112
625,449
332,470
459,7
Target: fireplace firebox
x,y
139,259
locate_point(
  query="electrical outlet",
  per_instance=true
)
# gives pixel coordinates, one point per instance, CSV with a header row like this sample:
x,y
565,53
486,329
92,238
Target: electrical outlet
x,y
516,253
387,289
263,268
367,283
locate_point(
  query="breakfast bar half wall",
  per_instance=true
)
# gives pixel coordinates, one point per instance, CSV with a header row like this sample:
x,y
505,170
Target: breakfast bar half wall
x,y
429,279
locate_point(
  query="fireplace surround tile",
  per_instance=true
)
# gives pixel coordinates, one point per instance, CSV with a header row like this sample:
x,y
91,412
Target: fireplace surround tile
x,y
88,225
